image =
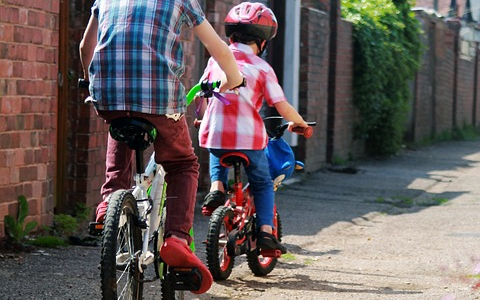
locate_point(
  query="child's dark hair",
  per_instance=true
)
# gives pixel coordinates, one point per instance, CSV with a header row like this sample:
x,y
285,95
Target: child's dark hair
x,y
240,37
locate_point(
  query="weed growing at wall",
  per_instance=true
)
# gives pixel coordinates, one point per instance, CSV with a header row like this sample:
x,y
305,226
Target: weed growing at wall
x,y
387,52
16,228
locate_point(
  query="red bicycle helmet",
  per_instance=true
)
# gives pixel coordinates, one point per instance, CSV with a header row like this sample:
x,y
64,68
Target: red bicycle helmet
x,y
251,18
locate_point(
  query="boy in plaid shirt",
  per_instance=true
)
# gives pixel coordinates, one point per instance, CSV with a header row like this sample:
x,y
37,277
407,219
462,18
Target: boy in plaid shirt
x,y
132,55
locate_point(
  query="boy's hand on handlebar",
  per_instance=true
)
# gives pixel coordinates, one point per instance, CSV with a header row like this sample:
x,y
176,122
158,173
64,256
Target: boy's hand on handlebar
x,y
231,83
292,125
304,128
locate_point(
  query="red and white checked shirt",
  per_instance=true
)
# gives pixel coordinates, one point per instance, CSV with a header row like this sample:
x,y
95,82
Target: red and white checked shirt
x,y
239,125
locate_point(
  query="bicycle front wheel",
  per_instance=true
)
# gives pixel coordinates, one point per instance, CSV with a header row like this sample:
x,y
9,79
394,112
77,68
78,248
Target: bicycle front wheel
x,y
219,262
121,245
262,266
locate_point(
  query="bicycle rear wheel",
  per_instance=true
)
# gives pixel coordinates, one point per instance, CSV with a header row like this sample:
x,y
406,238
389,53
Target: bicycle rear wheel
x,y
262,266
219,262
121,245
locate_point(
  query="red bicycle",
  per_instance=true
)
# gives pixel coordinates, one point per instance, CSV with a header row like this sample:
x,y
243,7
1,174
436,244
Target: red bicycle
x,y
231,229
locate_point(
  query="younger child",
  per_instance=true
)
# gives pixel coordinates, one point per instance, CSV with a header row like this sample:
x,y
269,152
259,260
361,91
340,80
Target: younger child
x,y
238,126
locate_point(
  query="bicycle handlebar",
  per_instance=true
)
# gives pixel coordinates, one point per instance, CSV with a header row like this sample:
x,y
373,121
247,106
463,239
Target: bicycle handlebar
x,y
200,87
307,132
83,83
205,88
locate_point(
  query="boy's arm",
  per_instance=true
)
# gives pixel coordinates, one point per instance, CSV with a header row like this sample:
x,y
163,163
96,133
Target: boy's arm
x,y
88,44
219,50
289,113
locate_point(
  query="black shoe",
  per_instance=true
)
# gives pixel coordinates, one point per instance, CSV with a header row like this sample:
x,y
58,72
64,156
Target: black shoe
x,y
211,201
214,199
267,241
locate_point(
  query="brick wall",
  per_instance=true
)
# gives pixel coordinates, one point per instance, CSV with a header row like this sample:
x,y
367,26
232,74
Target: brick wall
x,y
443,76
465,88
314,49
85,133
28,104
346,115
443,5
476,84
444,87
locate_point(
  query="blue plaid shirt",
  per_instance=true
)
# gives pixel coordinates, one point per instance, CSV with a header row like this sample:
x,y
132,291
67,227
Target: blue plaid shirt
x,y
138,60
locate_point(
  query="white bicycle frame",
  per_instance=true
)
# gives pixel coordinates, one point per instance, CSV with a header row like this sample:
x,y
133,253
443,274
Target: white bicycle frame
x,y
154,179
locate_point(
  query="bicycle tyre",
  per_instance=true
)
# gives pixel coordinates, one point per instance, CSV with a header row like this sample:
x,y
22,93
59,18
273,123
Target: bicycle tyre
x,y
122,239
262,266
219,262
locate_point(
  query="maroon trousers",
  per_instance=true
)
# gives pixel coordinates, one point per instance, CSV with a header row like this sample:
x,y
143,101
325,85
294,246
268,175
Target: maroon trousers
x,y
174,151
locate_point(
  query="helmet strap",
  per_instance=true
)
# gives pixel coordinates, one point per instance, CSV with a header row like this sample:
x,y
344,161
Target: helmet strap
x,y
260,48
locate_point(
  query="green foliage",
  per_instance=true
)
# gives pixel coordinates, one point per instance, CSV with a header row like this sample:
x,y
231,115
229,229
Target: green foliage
x,y
387,52
48,241
64,225
466,133
81,212
15,228
339,161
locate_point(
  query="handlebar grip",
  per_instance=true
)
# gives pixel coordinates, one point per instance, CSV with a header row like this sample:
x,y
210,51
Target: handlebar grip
x,y
83,84
307,132
197,123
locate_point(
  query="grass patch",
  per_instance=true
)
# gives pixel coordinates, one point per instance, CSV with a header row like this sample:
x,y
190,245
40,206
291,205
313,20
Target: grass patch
x,y
48,241
289,256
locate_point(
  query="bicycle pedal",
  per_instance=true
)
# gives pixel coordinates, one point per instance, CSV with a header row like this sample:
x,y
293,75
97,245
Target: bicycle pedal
x,y
185,278
95,228
271,253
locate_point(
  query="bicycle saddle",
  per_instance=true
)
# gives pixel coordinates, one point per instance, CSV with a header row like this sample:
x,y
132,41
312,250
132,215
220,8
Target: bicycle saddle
x,y
137,133
229,159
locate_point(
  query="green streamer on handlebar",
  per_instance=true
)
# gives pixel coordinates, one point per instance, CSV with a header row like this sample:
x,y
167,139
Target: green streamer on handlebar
x,y
208,90
193,91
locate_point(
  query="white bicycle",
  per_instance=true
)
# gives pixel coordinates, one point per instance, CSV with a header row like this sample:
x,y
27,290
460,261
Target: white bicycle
x,y
133,230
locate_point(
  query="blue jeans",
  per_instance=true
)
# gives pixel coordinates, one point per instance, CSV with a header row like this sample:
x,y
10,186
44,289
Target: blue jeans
x,y
261,185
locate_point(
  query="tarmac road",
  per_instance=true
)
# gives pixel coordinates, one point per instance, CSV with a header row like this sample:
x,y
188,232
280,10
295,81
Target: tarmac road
x,y
406,227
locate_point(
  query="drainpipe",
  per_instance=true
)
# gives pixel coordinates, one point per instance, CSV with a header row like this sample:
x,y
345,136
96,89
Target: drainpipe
x,y
332,70
453,12
291,58
455,75
475,89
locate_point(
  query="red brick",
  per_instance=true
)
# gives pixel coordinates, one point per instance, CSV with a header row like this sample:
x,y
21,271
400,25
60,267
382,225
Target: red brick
x,y
6,32
10,105
3,210
34,205
28,173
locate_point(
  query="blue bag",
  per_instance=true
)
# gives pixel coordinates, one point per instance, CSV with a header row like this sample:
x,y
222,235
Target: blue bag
x,y
280,158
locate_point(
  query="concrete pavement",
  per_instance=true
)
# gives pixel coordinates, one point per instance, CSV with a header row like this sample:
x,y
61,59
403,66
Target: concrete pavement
x,y
404,227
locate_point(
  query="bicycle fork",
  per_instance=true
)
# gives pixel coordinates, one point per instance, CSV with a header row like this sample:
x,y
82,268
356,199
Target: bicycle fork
x,y
150,211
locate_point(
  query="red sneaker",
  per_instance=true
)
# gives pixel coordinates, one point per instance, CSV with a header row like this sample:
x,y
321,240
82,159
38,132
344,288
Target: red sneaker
x,y
101,211
175,253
